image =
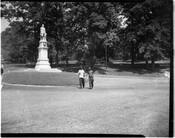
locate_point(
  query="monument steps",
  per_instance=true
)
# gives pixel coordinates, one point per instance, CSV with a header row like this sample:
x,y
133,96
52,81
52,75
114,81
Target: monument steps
x,y
48,70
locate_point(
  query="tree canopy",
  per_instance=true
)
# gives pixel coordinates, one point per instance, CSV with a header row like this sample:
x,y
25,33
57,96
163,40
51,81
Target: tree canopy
x,y
149,28
72,25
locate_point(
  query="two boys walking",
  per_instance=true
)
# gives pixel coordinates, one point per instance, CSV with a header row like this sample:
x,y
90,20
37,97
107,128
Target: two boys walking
x,y
81,74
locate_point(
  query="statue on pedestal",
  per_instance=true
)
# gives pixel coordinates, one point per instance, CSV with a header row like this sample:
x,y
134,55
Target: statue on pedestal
x,y
42,32
43,61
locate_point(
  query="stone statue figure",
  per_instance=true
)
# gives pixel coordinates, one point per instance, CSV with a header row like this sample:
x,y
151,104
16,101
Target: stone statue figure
x,y
42,31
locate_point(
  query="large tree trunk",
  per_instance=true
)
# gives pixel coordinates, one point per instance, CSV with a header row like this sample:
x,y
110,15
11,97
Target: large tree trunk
x,y
67,61
57,58
153,64
132,54
57,50
106,54
67,56
146,63
51,60
50,56
36,42
132,44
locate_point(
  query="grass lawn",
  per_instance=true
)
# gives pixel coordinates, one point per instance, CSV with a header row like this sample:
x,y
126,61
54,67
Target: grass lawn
x,y
41,78
118,105
15,74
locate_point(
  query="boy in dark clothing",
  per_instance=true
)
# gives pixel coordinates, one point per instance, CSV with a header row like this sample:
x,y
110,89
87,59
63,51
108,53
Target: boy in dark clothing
x,y
91,78
2,70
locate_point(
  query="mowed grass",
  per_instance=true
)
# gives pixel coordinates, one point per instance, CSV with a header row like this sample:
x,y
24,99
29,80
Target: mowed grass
x,y
15,74
41,78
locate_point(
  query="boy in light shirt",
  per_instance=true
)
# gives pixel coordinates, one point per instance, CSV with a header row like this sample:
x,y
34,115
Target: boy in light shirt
x,y
81,75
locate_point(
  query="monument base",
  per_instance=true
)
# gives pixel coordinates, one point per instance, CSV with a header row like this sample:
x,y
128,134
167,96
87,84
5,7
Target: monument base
x,y
43,61
42,64
49,70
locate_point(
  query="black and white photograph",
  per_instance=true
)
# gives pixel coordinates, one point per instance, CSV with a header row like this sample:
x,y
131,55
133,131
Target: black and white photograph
x,y
77,68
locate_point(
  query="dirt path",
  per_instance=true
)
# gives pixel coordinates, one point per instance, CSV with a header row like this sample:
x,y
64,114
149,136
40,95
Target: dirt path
x,y
117,105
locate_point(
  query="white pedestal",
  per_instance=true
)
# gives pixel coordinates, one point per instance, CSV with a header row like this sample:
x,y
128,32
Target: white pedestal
x,y
42,61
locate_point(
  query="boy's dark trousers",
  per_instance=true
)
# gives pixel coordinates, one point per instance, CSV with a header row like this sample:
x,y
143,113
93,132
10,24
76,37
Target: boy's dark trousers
x,y
81,80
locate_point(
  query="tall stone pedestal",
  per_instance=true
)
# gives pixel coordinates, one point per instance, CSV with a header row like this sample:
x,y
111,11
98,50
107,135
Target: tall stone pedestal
x,y
42,61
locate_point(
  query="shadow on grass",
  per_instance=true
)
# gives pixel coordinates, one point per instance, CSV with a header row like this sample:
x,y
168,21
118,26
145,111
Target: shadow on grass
x,y
128,69
71,68
137,68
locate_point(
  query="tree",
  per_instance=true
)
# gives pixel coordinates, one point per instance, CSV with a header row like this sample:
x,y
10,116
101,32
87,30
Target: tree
x,y
130,29
150,23
101,23
32,15
154,29
13,44
29,14
67,23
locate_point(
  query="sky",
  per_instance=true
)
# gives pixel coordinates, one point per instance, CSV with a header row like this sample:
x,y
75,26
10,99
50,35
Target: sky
x,y
4,24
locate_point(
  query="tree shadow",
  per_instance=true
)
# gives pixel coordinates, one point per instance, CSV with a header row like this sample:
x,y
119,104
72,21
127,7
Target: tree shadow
x,y
63,67
139,68
99,70
30,66
70,68
13,67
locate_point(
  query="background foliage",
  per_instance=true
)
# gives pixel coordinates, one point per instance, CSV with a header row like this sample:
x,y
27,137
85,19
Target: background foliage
x,y
88,31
